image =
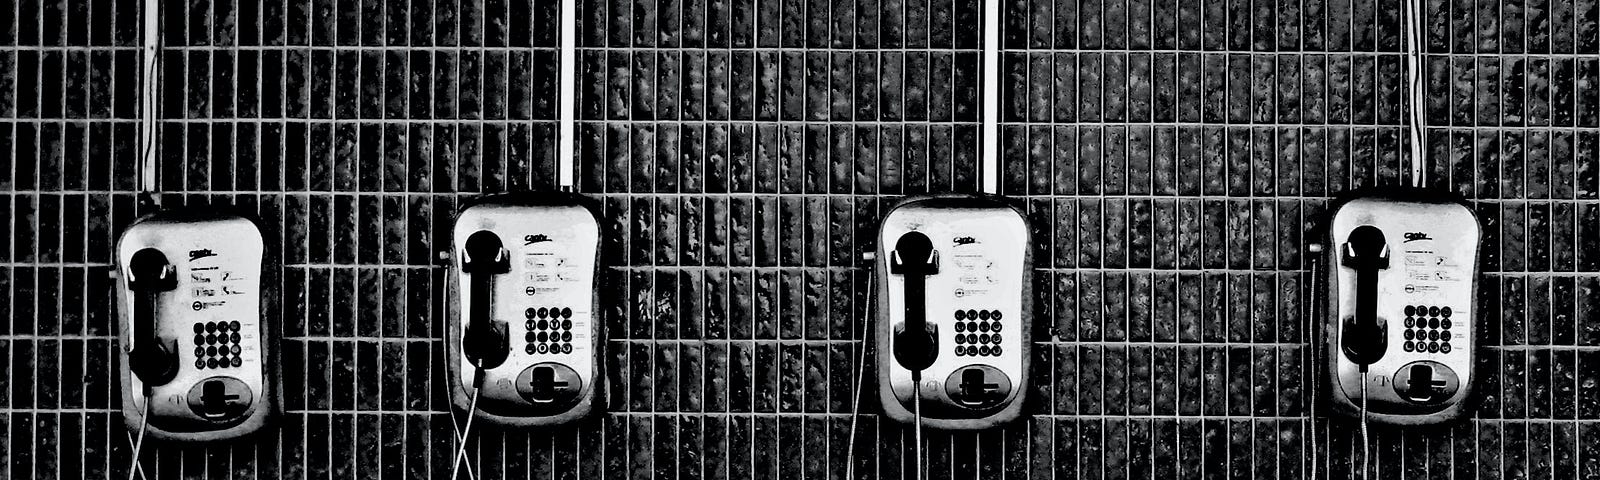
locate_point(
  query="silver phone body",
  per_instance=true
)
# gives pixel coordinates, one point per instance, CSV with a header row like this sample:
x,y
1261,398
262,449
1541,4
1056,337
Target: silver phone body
x,y
553,242
1434,247
985,256
221,264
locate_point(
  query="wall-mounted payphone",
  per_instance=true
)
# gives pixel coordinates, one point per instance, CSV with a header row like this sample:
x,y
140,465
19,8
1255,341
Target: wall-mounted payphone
x,y
952,311
1400,269
196,346
524,332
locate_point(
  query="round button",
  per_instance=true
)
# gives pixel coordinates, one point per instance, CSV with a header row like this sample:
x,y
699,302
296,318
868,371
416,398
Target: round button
x,y
566,312
211,350
544,312
961,339
211,363
983,314
983,338
531,337
199,351
983,327
1433,311
199,364
211,327
1433,347
1445,324
961,352
995,350
1409,335
566,349
961,314
531,325
1444,348
961,327
1422,310
984,350
972,314
566,336
543,348
530,349
996,327
199,339
531,313
1445,312
1410,347
210,339
996,316
1410,310
995,338
236,361
544,324
236,326
1432,335
235,349
1433,323
198,328
566,324
1409,322
234,338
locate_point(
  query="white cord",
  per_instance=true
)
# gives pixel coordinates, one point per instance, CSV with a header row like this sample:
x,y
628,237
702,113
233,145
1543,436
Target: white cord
x,y
1366,445
566,96
1414,98
916,408
461,441
990,84
861,373
138,443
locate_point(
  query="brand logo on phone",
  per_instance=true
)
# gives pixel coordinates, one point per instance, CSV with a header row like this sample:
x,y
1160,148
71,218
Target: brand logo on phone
x,y
959,241
535,238
201,253
1414,236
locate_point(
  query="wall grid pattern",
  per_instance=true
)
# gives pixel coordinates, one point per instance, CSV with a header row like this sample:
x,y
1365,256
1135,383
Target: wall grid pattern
x,y
1171,155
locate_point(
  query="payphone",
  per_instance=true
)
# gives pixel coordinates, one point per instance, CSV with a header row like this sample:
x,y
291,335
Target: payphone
x,y
196,347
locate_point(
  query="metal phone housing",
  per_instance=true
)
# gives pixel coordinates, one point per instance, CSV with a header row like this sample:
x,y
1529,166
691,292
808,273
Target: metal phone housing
x,y
976,305
223,386
1425,305
549,304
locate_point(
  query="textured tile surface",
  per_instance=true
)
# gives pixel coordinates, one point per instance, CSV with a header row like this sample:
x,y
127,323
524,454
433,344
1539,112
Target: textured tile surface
x,y
1170,152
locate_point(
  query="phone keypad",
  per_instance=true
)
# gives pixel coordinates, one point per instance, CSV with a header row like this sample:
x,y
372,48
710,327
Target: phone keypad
x,y
1427,329
549,330
978,333
216,344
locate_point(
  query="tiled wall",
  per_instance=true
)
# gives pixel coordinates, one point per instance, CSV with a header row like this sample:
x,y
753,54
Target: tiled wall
x,y
1171,153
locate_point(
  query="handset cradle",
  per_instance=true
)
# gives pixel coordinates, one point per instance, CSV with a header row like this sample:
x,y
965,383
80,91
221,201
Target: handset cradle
x,y
916,341
1365,335
486,342
153,358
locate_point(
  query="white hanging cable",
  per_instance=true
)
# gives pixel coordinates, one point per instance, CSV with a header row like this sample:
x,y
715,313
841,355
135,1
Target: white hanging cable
x,y
566,96
991,84
149,98
1415,94
861,371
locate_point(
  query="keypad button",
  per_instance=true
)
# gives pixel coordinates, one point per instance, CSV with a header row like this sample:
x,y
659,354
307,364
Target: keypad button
x,y
972,314
961,339
566,349
1445,324
1421,309
235,350
237,327
531,313
211,327
973,338
1410,347
996,316
530,349
983,327
236,361
1410,335
961,327
1409,322
983,338
1433,323
983,315
995,338
961,314
544,324
984,350
211,350
1444,347
544,312
199,351
531,324
996,327
543,348
566,336
961,352
544,336
1433,347
1433,311
211,363
531,337
234,338
200,364
1410,310
566,324
1433,335
1445,312
199,328
199,339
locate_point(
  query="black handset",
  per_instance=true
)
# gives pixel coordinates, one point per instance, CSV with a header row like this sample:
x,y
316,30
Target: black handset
x,y
1364,337
916,341
153,358
486,341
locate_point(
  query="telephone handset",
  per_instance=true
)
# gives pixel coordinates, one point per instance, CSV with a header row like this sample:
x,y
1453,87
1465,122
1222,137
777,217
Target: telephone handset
x,y
1401,278
952,291
196,343
524,333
